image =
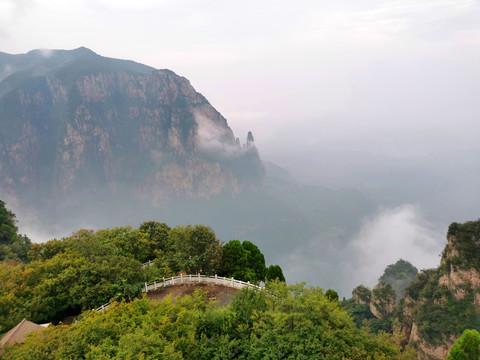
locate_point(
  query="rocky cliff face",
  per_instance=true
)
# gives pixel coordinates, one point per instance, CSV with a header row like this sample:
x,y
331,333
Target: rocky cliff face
x,y
381,300
76,125
443,302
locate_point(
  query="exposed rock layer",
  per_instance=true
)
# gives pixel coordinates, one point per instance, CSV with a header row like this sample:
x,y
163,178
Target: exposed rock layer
x,y
77,126
443,302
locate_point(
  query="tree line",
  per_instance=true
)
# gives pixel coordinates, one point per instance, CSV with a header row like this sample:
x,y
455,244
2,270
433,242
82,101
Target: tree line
x,y
63,277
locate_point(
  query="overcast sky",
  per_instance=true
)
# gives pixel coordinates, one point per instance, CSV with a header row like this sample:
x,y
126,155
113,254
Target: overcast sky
x,y
397,77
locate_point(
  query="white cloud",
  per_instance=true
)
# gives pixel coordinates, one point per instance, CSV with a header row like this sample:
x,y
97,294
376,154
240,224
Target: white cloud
x,y
6,71
212,138
397,233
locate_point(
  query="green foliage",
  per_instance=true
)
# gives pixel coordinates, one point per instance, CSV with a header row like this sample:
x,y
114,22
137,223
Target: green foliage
x,y
440,315
158,236
274,272
466,242
360,313
64,285
88,269
255,260
331,295
415,288
383,295
284,323
13,246
243,261
437,312
359,307
235,262
399,276
196,249
467,347
362,293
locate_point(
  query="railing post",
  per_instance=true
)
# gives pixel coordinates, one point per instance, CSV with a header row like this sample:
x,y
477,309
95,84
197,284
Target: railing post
x,y
146,288
164,281
198,277
181,278
190,277
155,284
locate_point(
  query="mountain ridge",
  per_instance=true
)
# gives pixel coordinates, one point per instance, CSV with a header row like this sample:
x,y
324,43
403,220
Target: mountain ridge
x,y
100,122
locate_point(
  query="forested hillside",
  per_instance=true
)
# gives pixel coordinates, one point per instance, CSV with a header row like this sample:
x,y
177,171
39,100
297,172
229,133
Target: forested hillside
x,y
438,305
47,282
286,322
70,276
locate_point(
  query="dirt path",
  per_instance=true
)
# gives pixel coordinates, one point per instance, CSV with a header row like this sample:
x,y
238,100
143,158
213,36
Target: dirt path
x,y
222,294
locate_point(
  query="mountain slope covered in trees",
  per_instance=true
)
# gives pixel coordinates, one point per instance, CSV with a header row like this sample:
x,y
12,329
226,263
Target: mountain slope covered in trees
x,y
438,305
74,274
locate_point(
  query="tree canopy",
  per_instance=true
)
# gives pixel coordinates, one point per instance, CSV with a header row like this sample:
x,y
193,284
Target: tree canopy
x,y
13,246
467,346
291,322
88,268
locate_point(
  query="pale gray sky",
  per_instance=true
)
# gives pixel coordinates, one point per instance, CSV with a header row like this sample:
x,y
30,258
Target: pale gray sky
x,y
400,77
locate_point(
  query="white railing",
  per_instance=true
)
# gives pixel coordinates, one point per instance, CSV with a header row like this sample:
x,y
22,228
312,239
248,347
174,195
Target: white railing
x,y
148,263
189,279
103,307
197,278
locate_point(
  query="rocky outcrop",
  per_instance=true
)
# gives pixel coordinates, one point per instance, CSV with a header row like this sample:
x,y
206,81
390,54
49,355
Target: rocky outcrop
x,y
97,127
443,302
381,300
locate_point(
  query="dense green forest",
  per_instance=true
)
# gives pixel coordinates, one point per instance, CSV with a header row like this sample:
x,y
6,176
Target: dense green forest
x,y
50,281
47,282
283,322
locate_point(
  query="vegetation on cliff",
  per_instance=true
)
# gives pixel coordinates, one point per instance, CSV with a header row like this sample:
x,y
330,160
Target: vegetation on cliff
x,y
372,308
291,322
437,306
399,276
466,242
376,308
445,301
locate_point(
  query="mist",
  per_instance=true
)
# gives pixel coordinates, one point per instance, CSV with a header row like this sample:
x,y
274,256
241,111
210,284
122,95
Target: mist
x,y
397,233
390,234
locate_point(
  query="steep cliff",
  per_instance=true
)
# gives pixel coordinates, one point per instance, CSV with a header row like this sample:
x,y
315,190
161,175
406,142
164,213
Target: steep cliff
x,y
78,126
443,302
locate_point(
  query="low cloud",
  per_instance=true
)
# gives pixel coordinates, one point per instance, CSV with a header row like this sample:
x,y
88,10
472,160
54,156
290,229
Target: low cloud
x,y
215,139
6,71
400,232
46,52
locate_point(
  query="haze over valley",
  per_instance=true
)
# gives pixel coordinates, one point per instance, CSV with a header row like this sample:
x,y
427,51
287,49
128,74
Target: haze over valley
x,y
371,108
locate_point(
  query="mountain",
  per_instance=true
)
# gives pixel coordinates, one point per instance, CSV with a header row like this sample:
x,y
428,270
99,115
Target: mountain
x,y
80,127
93,142
438,305
445,301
